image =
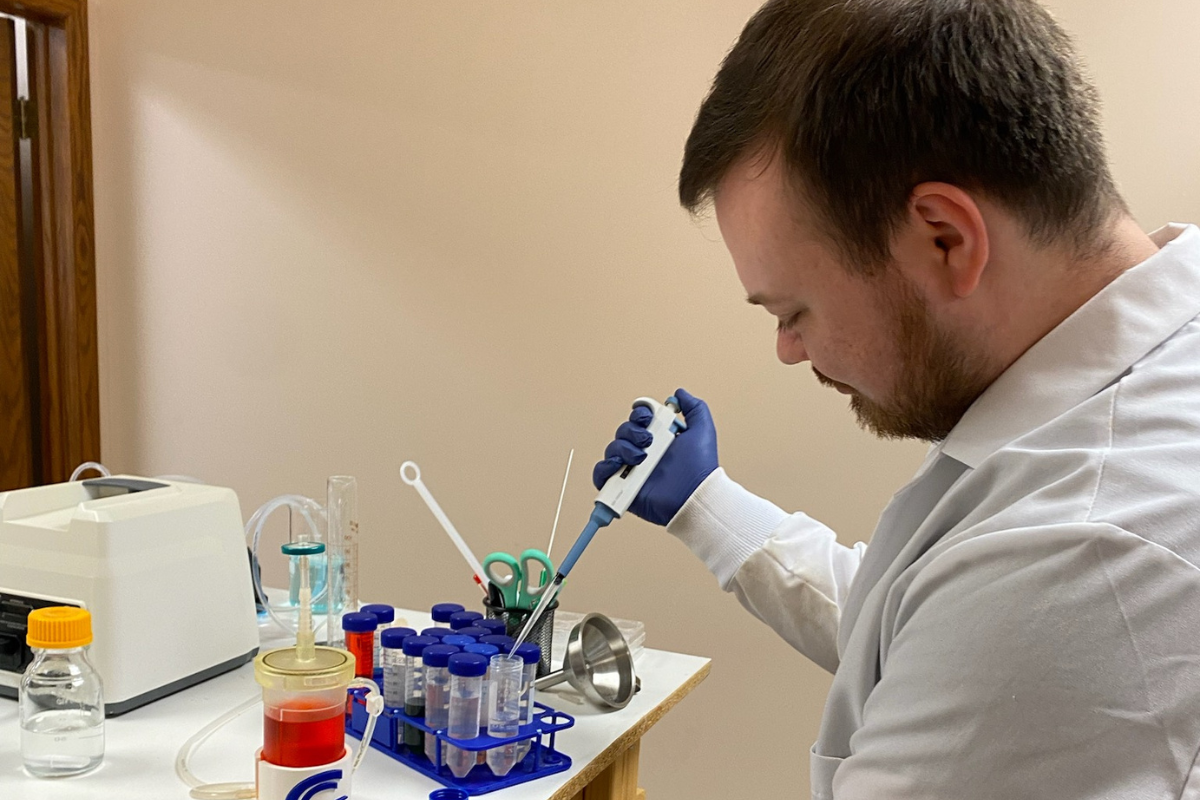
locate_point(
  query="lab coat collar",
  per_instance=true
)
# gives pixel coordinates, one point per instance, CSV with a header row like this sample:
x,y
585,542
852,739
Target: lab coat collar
x,y
1089,350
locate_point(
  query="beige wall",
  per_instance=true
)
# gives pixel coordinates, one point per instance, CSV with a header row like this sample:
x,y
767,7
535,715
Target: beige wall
x,y
335,236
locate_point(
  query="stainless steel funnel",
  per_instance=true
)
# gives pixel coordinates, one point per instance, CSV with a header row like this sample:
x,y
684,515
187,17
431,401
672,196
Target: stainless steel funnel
x,y
598,664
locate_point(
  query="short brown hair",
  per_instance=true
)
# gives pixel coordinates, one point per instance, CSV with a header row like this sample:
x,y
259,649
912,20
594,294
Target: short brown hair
x,y
864,99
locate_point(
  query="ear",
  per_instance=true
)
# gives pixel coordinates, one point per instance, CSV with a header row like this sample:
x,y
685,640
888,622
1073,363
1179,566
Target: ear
x,y
951,235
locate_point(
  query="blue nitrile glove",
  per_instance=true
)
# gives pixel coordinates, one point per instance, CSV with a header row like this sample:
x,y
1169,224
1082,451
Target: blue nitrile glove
x,y
685,465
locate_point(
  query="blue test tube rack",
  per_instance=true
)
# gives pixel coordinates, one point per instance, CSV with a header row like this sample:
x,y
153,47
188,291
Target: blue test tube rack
x,y
541,760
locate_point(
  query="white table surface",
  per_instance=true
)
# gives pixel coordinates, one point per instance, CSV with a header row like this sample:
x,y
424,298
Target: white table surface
x,y
141,745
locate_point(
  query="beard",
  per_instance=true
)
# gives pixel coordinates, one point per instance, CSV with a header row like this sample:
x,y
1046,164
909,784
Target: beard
x,y
938,379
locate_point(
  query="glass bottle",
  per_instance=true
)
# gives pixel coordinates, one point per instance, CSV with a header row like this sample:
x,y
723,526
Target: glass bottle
x,y
60,695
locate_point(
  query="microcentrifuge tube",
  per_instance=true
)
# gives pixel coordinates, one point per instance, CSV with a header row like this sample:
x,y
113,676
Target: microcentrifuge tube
x,y
466,680
504,710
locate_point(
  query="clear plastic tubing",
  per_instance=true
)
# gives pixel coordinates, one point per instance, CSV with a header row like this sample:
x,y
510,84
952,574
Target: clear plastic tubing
x,y
341,511
505,643
464,619
495,626
458,640
437,632
414,688
442,612
386,615
360,641
392,651
437,695
531,654
466,694
504,709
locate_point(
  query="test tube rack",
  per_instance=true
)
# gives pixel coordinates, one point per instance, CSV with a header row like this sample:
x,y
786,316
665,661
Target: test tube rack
x,y
541,760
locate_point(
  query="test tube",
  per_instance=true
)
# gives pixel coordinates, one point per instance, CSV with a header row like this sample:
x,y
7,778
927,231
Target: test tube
x,y
466,693
437,632
487,651
531,653
386,615
495,626
474,631
442,611
437,695
458,640
414,688
392,652
341,511
360,641
505,643
504,709
464,619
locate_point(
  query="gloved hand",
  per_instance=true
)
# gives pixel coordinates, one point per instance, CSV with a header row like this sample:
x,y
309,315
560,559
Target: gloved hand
x,y
685,465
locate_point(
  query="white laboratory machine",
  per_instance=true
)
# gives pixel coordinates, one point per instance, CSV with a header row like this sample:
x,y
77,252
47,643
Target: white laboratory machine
x,y
161,565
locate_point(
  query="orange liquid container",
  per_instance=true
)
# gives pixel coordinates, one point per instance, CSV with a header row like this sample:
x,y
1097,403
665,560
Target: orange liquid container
x,y
362,646
300,734
304,705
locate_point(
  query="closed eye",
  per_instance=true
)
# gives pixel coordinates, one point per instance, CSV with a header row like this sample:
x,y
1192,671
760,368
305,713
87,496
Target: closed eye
x,y
788,323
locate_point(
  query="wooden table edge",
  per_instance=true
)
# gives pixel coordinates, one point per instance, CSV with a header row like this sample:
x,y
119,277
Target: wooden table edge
x,y
606,758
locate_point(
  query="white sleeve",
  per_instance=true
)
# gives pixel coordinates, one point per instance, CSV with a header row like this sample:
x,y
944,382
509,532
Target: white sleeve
x,y
1056,662
786,569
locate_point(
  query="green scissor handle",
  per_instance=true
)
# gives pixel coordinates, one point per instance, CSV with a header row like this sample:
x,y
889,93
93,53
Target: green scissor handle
x,y
507,580
537,576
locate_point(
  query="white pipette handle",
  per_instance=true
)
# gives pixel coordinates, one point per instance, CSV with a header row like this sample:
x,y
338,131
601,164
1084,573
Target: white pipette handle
x,y
622,489
447,525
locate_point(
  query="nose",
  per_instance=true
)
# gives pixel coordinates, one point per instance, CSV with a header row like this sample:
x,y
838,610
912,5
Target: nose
x,y
789,348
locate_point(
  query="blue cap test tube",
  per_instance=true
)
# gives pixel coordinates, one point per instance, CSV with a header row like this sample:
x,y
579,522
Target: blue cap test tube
x,y
458,640
466,698
437,631
414,687
386,615
443,611
474,631
464,619
531,654
437,694
392,650
505,643
487,651
496,626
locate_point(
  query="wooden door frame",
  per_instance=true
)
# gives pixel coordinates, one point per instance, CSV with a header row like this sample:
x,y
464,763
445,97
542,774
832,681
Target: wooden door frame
x,y
64,253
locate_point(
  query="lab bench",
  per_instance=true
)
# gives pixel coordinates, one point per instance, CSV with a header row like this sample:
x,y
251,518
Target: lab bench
x,y
142,744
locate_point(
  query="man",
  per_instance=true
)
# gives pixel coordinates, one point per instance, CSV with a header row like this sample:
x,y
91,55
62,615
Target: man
x,y
917,191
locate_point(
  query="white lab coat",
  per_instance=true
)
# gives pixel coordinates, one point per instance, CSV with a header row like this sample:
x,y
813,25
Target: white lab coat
x,y
1025,622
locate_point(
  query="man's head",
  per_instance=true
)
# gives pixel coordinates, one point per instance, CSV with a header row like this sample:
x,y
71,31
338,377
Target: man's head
x,y
868,160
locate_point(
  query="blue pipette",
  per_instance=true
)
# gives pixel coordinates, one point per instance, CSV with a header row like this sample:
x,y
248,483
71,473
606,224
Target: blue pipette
x,y
617,495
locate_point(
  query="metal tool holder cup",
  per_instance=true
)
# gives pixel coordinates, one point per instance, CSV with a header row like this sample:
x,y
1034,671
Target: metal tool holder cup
x,y
514,620
542,760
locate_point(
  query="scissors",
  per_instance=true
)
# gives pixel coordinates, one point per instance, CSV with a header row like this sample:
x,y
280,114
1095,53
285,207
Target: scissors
x,y
521,580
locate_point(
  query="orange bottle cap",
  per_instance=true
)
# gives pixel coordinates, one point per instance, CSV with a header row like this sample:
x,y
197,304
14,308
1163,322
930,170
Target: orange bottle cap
x,y
59,628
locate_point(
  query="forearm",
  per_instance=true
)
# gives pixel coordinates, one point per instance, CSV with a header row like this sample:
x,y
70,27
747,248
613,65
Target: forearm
x,y
786,569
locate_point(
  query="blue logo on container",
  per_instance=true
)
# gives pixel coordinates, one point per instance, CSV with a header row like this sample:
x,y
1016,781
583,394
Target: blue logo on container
x,y
312,786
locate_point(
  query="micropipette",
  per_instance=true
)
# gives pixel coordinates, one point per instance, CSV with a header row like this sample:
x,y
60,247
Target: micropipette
x,y
616,496
447,525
